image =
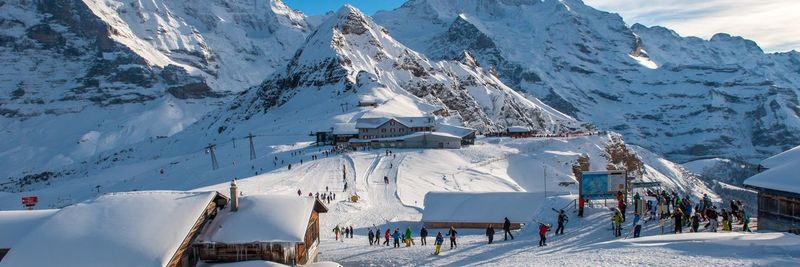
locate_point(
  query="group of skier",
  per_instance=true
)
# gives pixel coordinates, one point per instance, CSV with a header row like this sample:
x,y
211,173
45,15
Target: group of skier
x,y
683,212
345,232
704,210
325,197
397,237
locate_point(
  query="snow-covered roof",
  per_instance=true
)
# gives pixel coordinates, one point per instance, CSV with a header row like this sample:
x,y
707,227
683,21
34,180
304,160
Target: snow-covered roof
x,y
262,218
785,157
345,128
118,229
18,223
519,129
371,123
459,131
519,207
782,173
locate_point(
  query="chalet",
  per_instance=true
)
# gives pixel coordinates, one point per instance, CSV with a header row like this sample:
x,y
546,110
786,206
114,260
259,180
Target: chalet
x,y
466,134
145,228
414,140
778,189
386,127
343,132
277,228
519,132
457,209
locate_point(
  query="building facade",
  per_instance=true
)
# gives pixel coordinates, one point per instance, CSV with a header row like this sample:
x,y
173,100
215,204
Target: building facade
x,y
374,128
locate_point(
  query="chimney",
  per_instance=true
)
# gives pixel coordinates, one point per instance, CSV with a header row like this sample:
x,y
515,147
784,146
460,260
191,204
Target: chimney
x,y
234,196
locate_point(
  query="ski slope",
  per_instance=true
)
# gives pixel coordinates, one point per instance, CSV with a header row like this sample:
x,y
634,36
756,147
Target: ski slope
x,y
491,165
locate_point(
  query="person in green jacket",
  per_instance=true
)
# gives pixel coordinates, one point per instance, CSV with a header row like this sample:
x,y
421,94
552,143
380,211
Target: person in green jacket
x,y
337,231
409,240
617,220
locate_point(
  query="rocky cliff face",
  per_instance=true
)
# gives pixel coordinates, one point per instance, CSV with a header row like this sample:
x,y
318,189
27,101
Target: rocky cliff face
x,y
684,97
350,57
82,77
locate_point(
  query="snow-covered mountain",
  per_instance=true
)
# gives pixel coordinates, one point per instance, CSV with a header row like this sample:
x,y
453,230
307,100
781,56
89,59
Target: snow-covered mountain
x,y
349,59
83,77
686,98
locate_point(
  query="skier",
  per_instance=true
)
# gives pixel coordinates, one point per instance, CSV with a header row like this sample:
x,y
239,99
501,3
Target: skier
x,y
371,236
677,214
351,231
290,166
745,221
507,229
299,193
438,243
490,233
346,233
423,233
409,240
735,210
386,179
622,208
562,218
637,225
726,220
378,237
396,237
337,230
581,203
386,236
452,233
617,222
695,222
636,198
712,218
543,229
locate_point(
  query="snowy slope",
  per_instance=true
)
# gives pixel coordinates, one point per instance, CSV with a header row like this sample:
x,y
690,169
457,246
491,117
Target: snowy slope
x,y
84,77
686,98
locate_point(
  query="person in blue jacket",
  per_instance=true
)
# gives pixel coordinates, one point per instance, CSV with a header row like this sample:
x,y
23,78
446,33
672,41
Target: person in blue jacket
x,y
396,237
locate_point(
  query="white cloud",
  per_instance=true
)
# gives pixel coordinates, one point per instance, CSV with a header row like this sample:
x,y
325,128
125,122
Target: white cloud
x,y
773,24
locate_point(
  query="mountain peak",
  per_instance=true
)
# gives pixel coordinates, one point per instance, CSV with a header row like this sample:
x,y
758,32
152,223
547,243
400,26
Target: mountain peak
x,y
351,20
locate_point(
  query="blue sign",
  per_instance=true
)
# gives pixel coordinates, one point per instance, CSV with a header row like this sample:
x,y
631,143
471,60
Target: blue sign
x,y
604,184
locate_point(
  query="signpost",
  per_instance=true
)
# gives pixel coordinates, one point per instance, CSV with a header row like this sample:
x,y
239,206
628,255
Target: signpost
x,y
603,184
29,202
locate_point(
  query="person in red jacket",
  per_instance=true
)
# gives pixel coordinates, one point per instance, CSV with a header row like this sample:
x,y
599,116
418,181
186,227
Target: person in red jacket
x,y
581,203
543,229
387,235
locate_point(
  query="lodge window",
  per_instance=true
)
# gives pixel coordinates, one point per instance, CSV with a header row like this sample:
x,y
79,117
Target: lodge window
x,y
391,130
402,130
391,123
383,130
786,207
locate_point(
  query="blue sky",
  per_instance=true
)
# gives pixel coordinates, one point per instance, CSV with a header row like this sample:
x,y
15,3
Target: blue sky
x,y
773,24
318,7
